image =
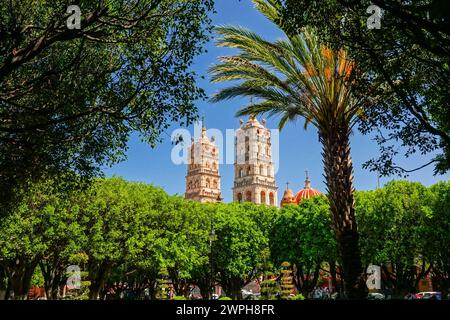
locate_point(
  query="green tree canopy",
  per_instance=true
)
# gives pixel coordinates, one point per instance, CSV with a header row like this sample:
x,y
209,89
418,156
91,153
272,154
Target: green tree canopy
x,y
241,240
303,236
393,232
44,229
70,98
437,240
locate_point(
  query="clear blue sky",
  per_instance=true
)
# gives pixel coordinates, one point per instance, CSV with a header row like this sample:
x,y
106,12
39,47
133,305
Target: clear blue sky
x,y
299,149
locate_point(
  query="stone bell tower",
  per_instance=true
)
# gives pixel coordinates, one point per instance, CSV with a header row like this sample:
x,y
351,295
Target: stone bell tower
x,y
203,179
254,179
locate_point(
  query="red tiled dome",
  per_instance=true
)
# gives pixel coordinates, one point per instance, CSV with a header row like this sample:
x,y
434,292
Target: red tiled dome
x,y
307,192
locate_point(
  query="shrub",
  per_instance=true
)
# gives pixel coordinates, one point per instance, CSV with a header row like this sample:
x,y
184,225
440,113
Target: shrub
x,y
298,297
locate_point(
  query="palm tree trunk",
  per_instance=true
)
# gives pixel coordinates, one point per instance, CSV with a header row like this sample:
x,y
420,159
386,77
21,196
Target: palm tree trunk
x,y
339,179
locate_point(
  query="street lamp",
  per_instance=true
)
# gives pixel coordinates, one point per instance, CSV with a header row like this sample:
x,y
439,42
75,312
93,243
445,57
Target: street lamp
x,y
212,237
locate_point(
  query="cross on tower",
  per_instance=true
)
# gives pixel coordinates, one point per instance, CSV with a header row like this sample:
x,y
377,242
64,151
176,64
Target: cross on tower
x,y
287,185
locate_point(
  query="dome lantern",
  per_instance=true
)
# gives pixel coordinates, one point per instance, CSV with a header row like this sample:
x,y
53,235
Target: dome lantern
x,y
307,192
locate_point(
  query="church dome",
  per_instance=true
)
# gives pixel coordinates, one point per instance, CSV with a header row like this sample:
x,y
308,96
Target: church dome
x,y
307,192
288,196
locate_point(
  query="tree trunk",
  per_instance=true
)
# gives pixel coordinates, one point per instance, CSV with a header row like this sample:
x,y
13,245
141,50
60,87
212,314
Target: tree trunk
x,y
202,279
333,274
97,277
56,289
180,286
20,278
152,290
303,281
94,291
204,287
8,290
315,279
339,180
441,282
235,289
53,274
204,292
299,279
232,287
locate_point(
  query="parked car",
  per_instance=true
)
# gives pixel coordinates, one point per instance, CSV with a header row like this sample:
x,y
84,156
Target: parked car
x,y
410,296
432,295
375,296
249,295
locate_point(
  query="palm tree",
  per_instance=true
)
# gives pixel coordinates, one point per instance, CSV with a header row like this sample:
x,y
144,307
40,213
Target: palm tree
x,y
298,77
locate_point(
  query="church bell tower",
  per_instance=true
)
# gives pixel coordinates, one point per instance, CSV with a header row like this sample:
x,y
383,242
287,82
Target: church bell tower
x,y
203,178
254,177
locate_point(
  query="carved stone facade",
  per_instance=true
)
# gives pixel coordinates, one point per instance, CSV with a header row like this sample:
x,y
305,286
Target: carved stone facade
x,y
203,179
254,179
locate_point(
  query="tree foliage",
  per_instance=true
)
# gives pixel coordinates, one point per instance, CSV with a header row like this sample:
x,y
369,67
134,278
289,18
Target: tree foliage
x,y
44,229
242,237
405,67
303,236
437,237
123,234
70,98
395,224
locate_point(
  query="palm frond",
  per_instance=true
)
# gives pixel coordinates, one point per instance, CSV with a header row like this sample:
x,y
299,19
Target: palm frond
x,y
293,77
269,8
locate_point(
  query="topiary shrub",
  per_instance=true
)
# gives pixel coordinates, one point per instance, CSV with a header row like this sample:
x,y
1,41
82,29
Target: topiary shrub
x,y
287,284
269,287
162,285
298,297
